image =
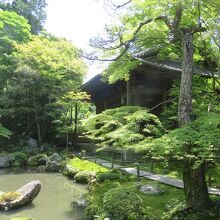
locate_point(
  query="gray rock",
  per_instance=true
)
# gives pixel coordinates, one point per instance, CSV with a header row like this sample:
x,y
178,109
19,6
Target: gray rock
x,y
53,163
70,171
149,189
4,161
55,157
41,169
84,176
32,145
27,194
52,166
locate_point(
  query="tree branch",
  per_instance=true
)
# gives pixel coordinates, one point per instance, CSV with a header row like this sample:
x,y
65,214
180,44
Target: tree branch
x,y
122,5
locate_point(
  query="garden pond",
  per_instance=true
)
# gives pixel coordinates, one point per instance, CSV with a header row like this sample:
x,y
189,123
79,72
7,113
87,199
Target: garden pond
x,y
55,200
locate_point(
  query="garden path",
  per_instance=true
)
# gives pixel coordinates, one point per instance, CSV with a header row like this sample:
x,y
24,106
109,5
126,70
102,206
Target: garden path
x,y
157,177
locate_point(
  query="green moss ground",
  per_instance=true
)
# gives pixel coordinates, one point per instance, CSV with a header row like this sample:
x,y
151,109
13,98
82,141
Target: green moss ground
x,y
85,165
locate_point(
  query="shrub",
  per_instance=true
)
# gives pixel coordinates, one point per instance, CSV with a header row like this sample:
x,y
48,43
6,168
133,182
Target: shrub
x,y
122,127
95,198
115,174
20,158
36,160
93,210
123,204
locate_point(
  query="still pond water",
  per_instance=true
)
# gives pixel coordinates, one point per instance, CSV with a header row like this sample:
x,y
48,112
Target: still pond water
x,y
54,202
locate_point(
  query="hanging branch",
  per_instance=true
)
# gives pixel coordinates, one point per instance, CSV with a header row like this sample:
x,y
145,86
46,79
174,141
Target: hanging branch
x,y
126,45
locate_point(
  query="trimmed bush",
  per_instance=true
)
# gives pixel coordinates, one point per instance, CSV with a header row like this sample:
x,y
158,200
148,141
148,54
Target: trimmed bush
x,y
115,174
123,127
123,204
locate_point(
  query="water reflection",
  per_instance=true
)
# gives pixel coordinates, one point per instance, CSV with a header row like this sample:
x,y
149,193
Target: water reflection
x,y
53,202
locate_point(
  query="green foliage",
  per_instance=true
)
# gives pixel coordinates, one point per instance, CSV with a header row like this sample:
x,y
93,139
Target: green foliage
x,y
13,29
85,165
34,160
33,11
113,175
205,99
47,68
20,158
122,127
179,211
95,198
143,26
196,140
123,203
4,132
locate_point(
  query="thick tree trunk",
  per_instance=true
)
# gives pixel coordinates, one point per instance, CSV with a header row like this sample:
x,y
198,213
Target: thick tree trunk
x,y
185,97
76,120
195,187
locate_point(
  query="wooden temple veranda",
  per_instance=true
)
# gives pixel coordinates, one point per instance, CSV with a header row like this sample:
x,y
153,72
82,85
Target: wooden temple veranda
x,y
147,87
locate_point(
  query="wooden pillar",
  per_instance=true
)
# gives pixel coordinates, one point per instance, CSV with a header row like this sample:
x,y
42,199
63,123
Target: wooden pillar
x,y
129,92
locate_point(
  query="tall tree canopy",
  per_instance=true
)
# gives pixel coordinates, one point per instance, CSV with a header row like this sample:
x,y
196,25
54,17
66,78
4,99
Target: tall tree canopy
x,y
46,69
32,10
13,29
182,30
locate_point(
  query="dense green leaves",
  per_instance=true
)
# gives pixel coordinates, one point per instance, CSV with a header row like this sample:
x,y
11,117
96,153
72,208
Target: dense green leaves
x,y
198,140
33,11
47,68
123,127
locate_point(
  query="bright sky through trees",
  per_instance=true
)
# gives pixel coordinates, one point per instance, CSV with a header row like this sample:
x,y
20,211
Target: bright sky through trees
x,y
76,20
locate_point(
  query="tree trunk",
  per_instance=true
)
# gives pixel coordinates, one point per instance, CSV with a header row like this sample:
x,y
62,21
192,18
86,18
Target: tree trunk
x,y
38,130
76,120
195,187
185,97
71,123
36,118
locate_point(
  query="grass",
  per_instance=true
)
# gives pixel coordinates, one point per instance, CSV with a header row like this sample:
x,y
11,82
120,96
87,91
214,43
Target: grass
x,y
85,165
156,204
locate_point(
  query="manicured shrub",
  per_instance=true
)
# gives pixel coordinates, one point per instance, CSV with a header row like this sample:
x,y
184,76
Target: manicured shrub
x,y
123,127
95,198
123,204
115,174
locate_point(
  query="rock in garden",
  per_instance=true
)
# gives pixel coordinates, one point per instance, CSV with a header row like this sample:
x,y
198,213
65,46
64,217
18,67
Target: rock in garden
x,y
84,176
70,171
55,157
53,163
52,166
40,169
24,195
149,189
4,161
